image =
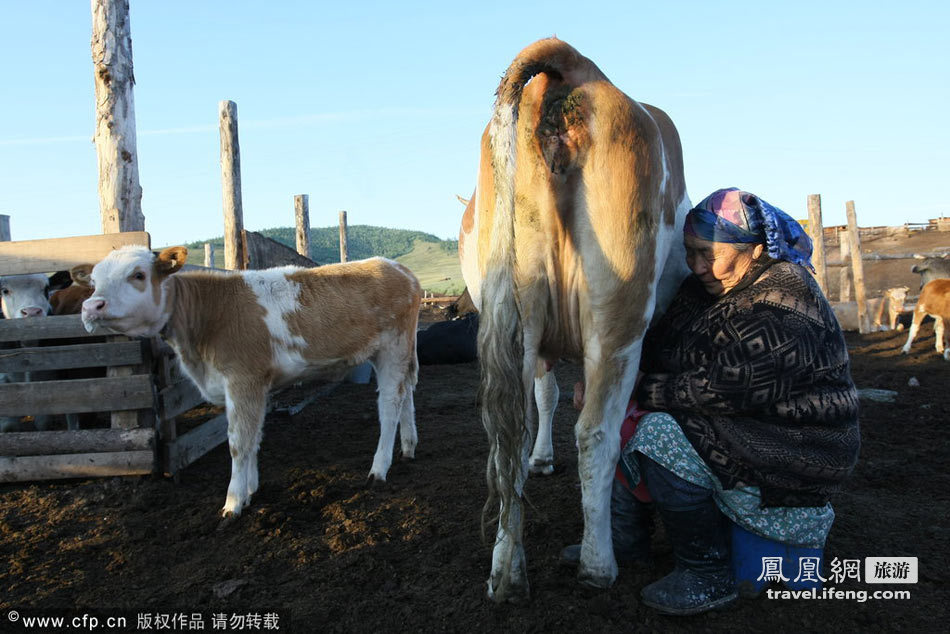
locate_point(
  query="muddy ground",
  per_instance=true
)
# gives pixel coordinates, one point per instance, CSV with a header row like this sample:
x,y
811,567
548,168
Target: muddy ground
x,y
329,554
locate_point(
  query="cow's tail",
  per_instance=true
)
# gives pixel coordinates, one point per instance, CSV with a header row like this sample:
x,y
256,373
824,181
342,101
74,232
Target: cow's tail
x,y
502,392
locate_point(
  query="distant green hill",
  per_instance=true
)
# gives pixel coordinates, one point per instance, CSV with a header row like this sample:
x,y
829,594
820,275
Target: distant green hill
x,y
437,267
435,262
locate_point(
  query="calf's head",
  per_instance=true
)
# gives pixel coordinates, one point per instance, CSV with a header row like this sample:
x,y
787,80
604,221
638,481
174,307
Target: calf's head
x,y
129,296
68,301
24,295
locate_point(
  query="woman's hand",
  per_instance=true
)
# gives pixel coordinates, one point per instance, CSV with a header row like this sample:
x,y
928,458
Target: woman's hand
x,y
579,395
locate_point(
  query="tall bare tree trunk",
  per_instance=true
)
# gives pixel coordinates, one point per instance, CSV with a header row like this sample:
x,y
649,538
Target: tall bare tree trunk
x,y
817,231
857,268
120,195
302,219
344,249
235,251
844,276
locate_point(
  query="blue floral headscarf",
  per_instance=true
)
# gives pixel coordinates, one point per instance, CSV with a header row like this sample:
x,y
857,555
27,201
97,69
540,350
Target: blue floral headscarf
x,y
734,216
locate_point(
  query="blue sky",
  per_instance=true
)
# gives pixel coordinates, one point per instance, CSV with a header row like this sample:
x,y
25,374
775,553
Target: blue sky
x,y
377,107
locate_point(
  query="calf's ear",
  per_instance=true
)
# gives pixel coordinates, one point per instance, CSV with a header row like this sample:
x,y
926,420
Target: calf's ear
x,y
80,274
171,259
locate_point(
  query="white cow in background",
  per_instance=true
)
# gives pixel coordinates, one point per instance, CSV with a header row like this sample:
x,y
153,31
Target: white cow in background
x,y
931,269
24,296
240,334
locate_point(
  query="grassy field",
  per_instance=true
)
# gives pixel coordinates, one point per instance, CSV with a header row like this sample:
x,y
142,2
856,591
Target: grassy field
x,y
438,271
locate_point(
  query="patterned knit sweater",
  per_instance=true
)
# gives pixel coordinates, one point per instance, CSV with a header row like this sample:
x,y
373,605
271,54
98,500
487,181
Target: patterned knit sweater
x,y
759,380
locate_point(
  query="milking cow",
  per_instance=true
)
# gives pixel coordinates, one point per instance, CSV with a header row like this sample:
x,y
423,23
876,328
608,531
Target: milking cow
x,y
934,301
237,335
572,239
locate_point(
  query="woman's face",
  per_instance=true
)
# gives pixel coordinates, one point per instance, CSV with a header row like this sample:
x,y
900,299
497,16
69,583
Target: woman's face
x,y
718,265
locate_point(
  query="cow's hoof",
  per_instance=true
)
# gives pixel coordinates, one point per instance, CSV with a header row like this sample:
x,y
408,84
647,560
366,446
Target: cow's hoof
x,y
596,581
227,519
511,593
374,481
545,468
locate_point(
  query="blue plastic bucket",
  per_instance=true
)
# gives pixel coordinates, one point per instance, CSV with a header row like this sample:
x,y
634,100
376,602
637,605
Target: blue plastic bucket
x,y
755,563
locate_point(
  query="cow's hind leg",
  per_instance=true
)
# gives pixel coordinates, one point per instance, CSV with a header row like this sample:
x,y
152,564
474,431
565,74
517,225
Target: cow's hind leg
x,y
546,394
509,572
246,404
609,384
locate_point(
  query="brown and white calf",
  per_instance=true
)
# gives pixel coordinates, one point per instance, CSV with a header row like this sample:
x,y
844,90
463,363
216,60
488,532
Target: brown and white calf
x,y
240,334
68,301
892,301
934,300
572,239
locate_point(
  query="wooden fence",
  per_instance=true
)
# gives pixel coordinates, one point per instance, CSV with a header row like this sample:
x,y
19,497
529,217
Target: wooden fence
x,y
137,383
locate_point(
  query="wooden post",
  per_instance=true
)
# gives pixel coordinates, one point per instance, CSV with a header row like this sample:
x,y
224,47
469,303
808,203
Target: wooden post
x,y
120,195
128,419
816,229
857,266
844,276
344,251
302,216
209,255
235,254
4,228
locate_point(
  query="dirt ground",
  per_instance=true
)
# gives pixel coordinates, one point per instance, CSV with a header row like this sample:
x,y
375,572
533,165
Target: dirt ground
x,y
328,554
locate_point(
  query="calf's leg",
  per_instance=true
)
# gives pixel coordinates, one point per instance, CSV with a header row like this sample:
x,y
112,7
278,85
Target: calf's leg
x,y
914,327
392,396
407,425
938,333
245,404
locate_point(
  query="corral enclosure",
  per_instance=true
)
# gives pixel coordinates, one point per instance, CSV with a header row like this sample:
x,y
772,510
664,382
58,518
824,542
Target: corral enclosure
x,y
880,275
329,554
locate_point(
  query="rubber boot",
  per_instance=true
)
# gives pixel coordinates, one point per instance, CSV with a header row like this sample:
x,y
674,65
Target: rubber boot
x,y
630,524
702,579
